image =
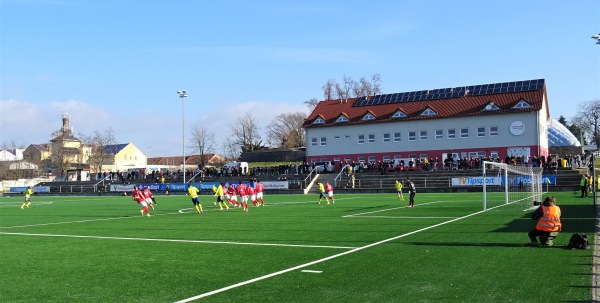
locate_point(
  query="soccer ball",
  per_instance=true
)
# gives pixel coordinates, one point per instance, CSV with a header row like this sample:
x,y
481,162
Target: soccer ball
x,y
215,203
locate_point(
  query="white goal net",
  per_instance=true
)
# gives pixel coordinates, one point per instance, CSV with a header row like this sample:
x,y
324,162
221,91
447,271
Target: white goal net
x,y
511,187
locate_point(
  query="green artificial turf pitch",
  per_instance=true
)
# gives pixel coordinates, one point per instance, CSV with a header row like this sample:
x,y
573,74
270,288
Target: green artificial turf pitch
x,y
363,248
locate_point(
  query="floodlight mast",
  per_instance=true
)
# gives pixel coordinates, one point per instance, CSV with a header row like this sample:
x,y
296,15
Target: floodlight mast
x,y
182,95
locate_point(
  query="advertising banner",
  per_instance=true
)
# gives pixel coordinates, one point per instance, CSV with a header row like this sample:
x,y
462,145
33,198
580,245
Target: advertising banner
x,y
275,184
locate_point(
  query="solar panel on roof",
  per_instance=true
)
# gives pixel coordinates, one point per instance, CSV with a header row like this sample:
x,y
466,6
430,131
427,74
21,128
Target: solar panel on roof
x,y
454,92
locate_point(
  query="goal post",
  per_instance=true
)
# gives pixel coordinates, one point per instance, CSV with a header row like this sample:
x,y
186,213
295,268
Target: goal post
x,y
511,187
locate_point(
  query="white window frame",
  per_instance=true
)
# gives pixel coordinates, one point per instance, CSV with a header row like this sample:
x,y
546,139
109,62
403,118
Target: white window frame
x,y
397,137
387,137
452,133
371,138
360,139
464,133
439,134
423,135
493,131
481,132
323,141
314,141
412,136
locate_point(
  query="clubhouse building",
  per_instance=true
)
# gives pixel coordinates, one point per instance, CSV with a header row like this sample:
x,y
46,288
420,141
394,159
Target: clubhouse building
x,y
490,120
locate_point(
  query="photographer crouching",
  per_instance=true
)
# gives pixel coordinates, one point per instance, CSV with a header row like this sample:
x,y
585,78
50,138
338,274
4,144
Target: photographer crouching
x,y
548,225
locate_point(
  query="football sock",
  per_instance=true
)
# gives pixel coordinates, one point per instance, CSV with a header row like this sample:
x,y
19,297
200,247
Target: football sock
x,y
220,205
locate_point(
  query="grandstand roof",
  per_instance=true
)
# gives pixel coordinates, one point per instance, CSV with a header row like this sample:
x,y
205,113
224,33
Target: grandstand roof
x,y
367,110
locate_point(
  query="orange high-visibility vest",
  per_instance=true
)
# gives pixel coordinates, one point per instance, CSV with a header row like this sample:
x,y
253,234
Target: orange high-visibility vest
x,y
550,220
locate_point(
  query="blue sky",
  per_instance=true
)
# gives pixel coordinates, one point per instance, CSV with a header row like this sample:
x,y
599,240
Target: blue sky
x,y
119,64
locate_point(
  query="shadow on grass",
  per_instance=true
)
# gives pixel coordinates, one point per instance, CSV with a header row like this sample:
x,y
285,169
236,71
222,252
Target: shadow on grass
x,y
575,219
481,244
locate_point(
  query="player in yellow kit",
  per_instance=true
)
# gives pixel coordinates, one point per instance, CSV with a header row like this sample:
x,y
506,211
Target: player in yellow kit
x,y
193,192
219,194
399,190
27,193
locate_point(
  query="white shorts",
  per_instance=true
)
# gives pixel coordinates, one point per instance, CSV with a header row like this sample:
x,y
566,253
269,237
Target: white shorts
x,y
330,194
244,199
143,204
233,198
252,197
259,195
149,201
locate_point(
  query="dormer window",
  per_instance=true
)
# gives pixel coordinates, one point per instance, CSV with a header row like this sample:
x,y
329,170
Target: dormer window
x,y
319,120
399,114
522,104
429,112
368,116
490,107
341,119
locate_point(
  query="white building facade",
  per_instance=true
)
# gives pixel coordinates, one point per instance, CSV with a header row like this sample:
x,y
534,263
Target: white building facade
x,y
508,119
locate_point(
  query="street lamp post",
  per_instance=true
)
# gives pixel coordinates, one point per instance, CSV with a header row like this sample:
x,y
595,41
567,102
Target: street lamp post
x,y
182,95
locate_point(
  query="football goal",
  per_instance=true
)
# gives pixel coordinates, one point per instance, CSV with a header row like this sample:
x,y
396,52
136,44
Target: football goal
x,y
511,187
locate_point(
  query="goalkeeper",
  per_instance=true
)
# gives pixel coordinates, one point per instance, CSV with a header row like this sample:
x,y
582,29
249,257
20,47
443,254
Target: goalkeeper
x,y
548,225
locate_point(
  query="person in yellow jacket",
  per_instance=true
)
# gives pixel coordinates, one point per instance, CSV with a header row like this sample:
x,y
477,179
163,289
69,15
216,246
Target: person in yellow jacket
x,y
220,194
322,193
193,193
399,190
548,225
27,193
583,184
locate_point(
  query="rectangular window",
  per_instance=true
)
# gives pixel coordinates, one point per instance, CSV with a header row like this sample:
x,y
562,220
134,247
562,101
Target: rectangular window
x,y
386,137
361,139
464,133
371,138
481,132
397,137
397,157
413,156
336,137
371,159
324,160
313,141
336,160
361,159
323,141
493,131
451,133
423,135
423,156
387,159
439,134
347,137
412,136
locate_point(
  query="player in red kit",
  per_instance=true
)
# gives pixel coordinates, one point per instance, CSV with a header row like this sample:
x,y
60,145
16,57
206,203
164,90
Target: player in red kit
x,y
243,196
141,200
259,193
148,197
233,197
329,190
252,194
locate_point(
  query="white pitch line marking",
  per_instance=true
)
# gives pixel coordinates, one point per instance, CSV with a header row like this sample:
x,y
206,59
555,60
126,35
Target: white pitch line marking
x,y
13,204
312,271
177,240
387,209
400,217
216,291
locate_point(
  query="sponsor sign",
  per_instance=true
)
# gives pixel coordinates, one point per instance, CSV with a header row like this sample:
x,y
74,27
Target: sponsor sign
x,y
499,181
35,189
275,184
517,128
476,181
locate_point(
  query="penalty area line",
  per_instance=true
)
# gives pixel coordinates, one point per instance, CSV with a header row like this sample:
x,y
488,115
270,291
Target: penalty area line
x,y
176,240
301,266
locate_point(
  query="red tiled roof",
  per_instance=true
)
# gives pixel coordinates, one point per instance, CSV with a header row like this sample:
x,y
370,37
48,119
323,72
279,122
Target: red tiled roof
x,y
454,107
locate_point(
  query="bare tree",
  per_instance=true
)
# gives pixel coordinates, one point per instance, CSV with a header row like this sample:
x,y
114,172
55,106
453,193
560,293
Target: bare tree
x,y
285,131
328,89
376,84
203,141
348,85
366,87
588,119
231,149
97,143
311,103
339,91
246,133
